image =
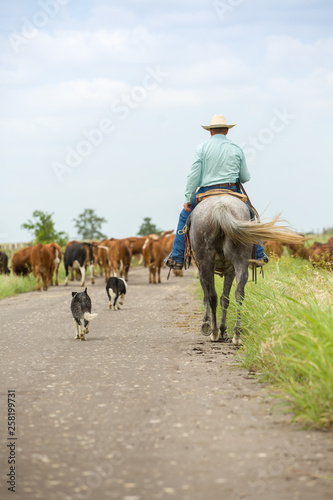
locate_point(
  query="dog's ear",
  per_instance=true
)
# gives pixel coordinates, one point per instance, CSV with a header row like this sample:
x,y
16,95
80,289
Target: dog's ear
x,y
73,294
85,291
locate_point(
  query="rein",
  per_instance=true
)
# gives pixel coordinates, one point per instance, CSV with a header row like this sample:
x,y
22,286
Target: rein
x,y
189,252
249,201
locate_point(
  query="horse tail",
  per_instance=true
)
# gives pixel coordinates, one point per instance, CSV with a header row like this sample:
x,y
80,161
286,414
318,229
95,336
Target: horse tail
x,y
247,232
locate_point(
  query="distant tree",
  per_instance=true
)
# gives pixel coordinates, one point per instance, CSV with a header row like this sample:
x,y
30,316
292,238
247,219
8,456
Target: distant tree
x,y
147,227
88,225
43,230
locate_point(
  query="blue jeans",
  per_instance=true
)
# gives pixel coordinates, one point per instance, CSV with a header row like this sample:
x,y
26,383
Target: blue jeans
x,y
178,248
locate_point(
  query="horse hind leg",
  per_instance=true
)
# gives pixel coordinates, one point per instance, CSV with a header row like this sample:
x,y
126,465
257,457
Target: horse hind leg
x,y
206,320
209,324
215,335
240,295
224,300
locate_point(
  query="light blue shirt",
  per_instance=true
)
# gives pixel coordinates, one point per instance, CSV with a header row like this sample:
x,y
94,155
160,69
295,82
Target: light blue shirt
x,y
216,161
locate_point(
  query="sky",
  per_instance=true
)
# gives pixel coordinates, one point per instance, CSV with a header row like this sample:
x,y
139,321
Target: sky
x,y
102,101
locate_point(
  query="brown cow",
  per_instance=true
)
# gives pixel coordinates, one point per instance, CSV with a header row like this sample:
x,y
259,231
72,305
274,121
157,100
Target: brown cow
x,y
302,252
321,254
119,258
153,255
166,233
42,264
56,253
298,250
96,258
167,242
274,248
126,257
136,243
103,258
21,262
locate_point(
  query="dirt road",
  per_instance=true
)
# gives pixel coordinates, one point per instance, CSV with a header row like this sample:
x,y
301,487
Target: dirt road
x,y
145,409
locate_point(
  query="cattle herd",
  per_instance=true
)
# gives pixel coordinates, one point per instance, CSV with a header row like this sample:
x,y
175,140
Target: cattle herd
x,y
112,257
319,254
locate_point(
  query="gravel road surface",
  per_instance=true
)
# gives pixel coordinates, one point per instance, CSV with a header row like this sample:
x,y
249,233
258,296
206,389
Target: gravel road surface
x,y
147,408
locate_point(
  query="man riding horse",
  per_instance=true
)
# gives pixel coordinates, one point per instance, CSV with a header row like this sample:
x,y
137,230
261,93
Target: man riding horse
x,y
218,164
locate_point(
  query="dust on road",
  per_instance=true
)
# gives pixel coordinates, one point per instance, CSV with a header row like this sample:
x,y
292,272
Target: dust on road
x,y
146,408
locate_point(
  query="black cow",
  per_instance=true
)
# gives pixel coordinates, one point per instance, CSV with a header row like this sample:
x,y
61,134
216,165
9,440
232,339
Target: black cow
x,y
4,269
116,289
79,256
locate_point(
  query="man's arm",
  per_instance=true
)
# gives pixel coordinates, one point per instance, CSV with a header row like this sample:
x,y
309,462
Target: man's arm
x,y
194,177
244,174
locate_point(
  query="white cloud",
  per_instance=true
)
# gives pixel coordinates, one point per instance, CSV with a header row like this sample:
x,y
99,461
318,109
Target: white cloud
x,y
288,54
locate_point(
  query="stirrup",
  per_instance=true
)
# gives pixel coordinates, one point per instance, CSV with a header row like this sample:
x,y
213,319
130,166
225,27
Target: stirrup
x,y
173,264
257,263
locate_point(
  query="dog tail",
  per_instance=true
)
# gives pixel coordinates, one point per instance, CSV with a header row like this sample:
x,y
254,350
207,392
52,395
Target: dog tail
x,y
89,317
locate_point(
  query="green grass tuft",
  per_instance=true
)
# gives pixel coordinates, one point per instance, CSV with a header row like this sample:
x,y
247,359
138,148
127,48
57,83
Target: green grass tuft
x,y
287,324
13,285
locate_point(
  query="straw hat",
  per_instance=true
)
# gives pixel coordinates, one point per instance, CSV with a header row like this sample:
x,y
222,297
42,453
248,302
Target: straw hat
x,y
217,121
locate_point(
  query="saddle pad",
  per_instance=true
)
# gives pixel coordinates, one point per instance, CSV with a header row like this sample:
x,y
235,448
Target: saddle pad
x,y
218,192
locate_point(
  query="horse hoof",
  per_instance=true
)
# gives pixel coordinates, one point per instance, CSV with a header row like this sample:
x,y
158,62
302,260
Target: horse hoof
x,y
223,335
237,340
205,329
215,337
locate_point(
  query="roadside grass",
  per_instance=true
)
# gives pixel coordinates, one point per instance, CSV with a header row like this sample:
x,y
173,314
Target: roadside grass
x,y
13,285
287,324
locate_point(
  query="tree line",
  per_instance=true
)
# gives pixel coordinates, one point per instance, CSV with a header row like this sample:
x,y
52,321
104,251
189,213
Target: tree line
x,y
88,225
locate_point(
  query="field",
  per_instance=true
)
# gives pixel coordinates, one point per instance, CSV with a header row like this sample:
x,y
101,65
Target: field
x,y
288,337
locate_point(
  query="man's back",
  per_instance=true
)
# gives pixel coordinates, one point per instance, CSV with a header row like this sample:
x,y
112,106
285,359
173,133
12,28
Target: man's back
x,y
216,161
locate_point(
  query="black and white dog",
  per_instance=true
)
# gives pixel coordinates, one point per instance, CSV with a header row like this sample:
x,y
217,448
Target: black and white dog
x,y
116,289
81,310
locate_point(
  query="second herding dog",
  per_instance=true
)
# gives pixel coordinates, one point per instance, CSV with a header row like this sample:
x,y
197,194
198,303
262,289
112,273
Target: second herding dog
x,y
116,289
81,310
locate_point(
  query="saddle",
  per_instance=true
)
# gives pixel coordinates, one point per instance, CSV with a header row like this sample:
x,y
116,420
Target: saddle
x,y
217,192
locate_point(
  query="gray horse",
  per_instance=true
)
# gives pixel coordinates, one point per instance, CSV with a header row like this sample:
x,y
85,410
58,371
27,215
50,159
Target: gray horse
x,y
221,238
